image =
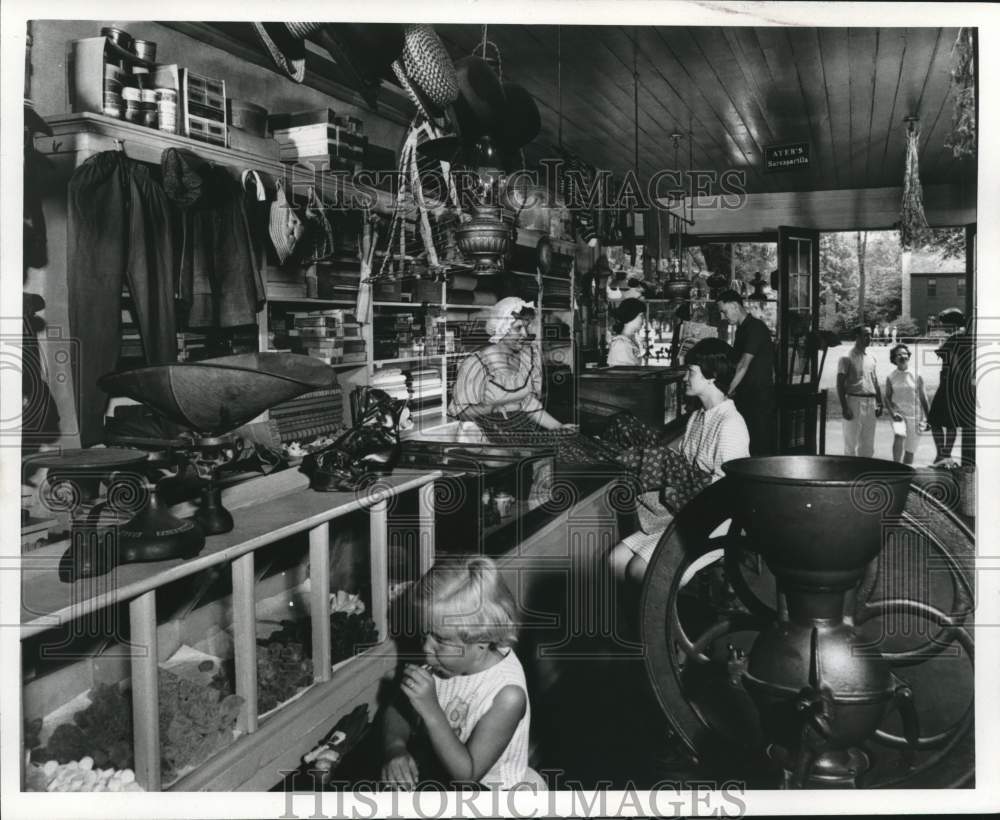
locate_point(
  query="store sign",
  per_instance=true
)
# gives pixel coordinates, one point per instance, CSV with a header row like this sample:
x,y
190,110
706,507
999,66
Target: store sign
x,y
793,156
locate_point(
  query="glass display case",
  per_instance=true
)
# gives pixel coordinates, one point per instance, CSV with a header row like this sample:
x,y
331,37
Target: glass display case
x,y
218,672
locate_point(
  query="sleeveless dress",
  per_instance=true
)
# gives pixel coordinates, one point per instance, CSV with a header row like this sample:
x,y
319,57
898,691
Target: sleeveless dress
x,y
465,699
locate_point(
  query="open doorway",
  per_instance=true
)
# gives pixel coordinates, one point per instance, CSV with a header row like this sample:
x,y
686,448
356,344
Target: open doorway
x,y
865,278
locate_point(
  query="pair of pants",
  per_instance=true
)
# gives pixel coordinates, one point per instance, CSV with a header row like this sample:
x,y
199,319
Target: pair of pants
x,y
760,415
119,231
859,432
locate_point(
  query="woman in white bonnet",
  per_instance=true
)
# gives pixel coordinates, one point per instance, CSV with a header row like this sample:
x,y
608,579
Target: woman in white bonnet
x,y
499,386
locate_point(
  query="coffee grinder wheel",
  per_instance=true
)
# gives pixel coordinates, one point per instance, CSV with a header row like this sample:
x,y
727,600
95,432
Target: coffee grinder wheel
x,y
705,612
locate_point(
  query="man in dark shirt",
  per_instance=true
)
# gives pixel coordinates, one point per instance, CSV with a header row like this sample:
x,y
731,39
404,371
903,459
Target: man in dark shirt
x,y
752,387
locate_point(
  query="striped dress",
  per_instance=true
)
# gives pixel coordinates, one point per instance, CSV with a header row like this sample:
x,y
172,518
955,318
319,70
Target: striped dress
x,y
466,698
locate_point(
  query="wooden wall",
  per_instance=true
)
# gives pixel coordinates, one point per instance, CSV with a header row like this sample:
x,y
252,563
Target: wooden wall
x,y
844,210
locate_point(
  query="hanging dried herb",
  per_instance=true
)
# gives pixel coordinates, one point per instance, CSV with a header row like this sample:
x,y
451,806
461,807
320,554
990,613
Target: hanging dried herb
x,y
962,140
913,222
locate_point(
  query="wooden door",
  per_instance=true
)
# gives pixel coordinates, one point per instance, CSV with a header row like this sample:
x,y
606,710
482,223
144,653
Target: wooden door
x,y
797,373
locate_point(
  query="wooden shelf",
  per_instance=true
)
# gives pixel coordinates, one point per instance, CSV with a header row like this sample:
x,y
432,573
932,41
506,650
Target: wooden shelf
x,y
307,300
97,132
418,305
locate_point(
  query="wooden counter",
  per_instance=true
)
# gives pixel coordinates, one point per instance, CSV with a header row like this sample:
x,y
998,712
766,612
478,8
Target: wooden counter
x,y
278,741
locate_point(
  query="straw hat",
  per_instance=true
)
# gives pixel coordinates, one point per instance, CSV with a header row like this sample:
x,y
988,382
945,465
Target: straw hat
x,y
426,72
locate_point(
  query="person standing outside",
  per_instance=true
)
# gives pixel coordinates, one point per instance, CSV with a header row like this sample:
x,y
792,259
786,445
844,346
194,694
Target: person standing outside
x,y
860,395
905,398
752,387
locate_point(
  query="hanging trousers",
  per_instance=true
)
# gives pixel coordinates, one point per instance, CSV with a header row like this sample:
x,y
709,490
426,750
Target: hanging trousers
x,y
119,232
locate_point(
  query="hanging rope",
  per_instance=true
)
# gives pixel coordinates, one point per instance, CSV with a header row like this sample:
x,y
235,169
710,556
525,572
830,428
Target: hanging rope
x,y
635,96
559,78
913,221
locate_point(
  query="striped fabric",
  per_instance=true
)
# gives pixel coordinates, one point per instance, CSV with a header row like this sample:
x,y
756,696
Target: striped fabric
x,y
466,698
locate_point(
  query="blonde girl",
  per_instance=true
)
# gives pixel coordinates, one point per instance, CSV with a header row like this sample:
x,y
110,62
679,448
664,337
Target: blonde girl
x,y
470,696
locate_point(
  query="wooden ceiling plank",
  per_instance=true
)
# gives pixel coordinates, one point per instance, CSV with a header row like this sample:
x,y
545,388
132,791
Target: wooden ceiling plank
x,y
832,47
719,55
861,56
652,83
936,125
787,107
751,63
805,59
892,45
739,153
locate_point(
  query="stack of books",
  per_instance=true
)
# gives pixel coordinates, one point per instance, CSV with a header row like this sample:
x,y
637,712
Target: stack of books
x,y
333,336
338,278
392,381
320,137
425,394
318,413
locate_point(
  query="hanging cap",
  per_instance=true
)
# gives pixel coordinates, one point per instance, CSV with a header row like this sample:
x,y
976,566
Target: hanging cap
x,y
285,227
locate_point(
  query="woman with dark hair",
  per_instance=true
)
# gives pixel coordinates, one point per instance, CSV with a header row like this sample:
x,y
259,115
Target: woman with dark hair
x,y
904,399
627,321
715,434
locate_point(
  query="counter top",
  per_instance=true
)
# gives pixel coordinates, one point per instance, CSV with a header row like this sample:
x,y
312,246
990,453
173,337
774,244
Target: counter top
x,y
47,602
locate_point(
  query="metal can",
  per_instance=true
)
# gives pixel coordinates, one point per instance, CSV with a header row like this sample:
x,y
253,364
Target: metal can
x,y
119,37
145,50
166,95
113,109
130,94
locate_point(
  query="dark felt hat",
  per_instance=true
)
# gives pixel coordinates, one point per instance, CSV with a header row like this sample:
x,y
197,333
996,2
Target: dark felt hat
x,y
363,51
481,104
521,121
286,44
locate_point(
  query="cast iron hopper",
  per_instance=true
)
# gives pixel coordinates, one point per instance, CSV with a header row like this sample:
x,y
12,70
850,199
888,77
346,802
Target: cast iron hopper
x,y
817,520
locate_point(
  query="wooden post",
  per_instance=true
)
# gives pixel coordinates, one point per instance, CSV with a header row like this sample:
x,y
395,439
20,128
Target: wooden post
x,y
379,555
245,638
426,531
319,600
145,691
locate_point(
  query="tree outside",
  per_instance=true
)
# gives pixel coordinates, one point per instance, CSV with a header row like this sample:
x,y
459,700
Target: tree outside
x,y
866,267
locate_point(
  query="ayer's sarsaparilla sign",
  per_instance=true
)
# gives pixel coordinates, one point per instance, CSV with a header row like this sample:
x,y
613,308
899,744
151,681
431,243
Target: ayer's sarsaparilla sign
x,y
792,156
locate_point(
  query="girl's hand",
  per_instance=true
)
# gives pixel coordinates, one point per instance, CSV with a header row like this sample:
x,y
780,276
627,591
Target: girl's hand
x,y
400,771
418,686
897,416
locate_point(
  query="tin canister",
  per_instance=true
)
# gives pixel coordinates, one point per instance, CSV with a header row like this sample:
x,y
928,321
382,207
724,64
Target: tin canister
x,y
145,50
112,71
119,37
113,104
150,118
131,94
142,78
112,86
166,95
147,96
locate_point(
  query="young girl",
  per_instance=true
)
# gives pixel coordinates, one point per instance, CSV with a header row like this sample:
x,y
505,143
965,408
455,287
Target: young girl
x,y
902,392
624,350
470,696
